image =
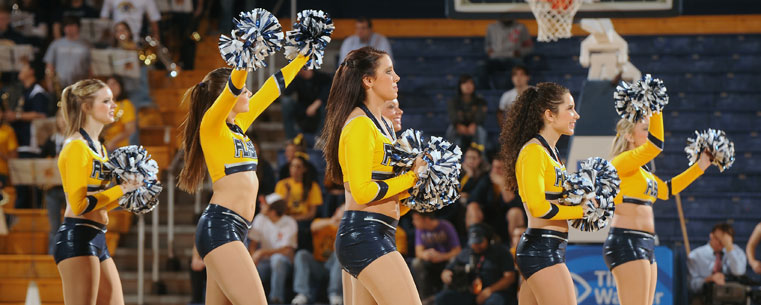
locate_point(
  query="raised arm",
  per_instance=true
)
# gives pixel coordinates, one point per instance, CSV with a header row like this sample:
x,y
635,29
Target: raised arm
x,y
358,146
271,90
216,116
675,185
631,160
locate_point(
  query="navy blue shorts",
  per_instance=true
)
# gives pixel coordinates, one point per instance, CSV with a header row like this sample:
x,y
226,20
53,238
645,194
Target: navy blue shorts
x,y
362,238
217,226
80,237
625,245
539,249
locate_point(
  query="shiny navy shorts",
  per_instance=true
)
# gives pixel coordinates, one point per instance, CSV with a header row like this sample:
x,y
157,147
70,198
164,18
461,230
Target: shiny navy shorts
x,y
539,249
217,226
80,237
625,245
362,238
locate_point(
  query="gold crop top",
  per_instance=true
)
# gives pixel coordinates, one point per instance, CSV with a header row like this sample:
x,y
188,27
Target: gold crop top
x,y
226,148
638,184
540,179
364,156
82,171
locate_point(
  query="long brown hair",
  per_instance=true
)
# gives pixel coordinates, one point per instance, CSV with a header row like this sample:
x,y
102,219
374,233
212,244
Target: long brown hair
x,y
525,119
346,93
73,98
200,97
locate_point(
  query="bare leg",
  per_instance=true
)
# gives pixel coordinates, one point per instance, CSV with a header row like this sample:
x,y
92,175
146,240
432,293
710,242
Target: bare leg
x,y
231,266
80,276
214,294
552,286
110,290
473,214
389,281
526,296
359,293
633,282
347,287
653,281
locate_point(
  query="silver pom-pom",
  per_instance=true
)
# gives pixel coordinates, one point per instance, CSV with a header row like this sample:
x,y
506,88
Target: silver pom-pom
x,y
438,183
641,99
309,37
256,35
596,179
716,143
133,162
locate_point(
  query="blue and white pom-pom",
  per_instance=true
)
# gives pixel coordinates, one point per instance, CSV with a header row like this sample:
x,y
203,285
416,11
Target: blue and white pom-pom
x,y
256,35
130,162
641,99
309,37
596,179
438,184
717,144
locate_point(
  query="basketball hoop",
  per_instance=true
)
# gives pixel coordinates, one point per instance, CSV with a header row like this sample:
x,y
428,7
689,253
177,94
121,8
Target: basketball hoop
x,y
554,17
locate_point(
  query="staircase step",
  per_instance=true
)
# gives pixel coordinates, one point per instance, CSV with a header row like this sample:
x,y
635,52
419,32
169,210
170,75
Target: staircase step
x,y
184,299
176,282
127,259
184,236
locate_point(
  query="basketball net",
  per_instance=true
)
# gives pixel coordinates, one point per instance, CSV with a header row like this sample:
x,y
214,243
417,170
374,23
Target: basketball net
x,y
554,18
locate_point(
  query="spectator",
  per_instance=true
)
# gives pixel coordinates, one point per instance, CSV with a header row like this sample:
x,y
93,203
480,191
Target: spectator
x,y
520,78
73,8
226,9
311,270
136,88
306,112
7,33
475,171
364,37
182,26
33,105
302,195
492,203
55,199
467,113
392,111
483,273
436,243
8,146
118,133
717,262
292,147
69,57
132,12
506,43
263,170
750,249
273,240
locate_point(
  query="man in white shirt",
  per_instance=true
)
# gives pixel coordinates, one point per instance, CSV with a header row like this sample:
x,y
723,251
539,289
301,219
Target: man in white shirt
x,y
132,12
714,262
69,57
273,241
520,77
364,37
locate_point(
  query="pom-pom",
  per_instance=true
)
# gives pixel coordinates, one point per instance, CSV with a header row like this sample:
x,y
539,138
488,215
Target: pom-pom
x,y
596,179
438,184
257,34
716,143
309,37
641,99
130,162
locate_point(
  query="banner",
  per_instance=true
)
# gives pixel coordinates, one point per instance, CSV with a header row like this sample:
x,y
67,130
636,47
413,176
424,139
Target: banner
x,y
595,284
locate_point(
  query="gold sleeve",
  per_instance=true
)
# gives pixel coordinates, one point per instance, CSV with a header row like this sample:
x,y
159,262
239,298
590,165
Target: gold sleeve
x,y
75,167
271,90
530,167
679,182
359,146
215,117
629,161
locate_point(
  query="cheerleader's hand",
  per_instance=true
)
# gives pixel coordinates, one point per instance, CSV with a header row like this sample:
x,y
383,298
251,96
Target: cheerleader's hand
x,y
705,160
420,166
131,184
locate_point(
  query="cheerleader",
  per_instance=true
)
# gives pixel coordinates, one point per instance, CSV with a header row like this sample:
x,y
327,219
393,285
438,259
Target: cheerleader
x,y
357,141
536,120
628,250
221,109
88,273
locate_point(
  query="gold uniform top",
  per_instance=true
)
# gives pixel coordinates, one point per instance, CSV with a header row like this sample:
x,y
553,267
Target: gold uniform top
x,y
226,148
540,179
364,157
82,171
638,184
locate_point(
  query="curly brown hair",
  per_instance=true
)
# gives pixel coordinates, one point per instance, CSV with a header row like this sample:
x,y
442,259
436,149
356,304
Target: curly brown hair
x,y
524,121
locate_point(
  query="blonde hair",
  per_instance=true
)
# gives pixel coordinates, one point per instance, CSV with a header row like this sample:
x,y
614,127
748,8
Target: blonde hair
x,y
72,100
621,144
